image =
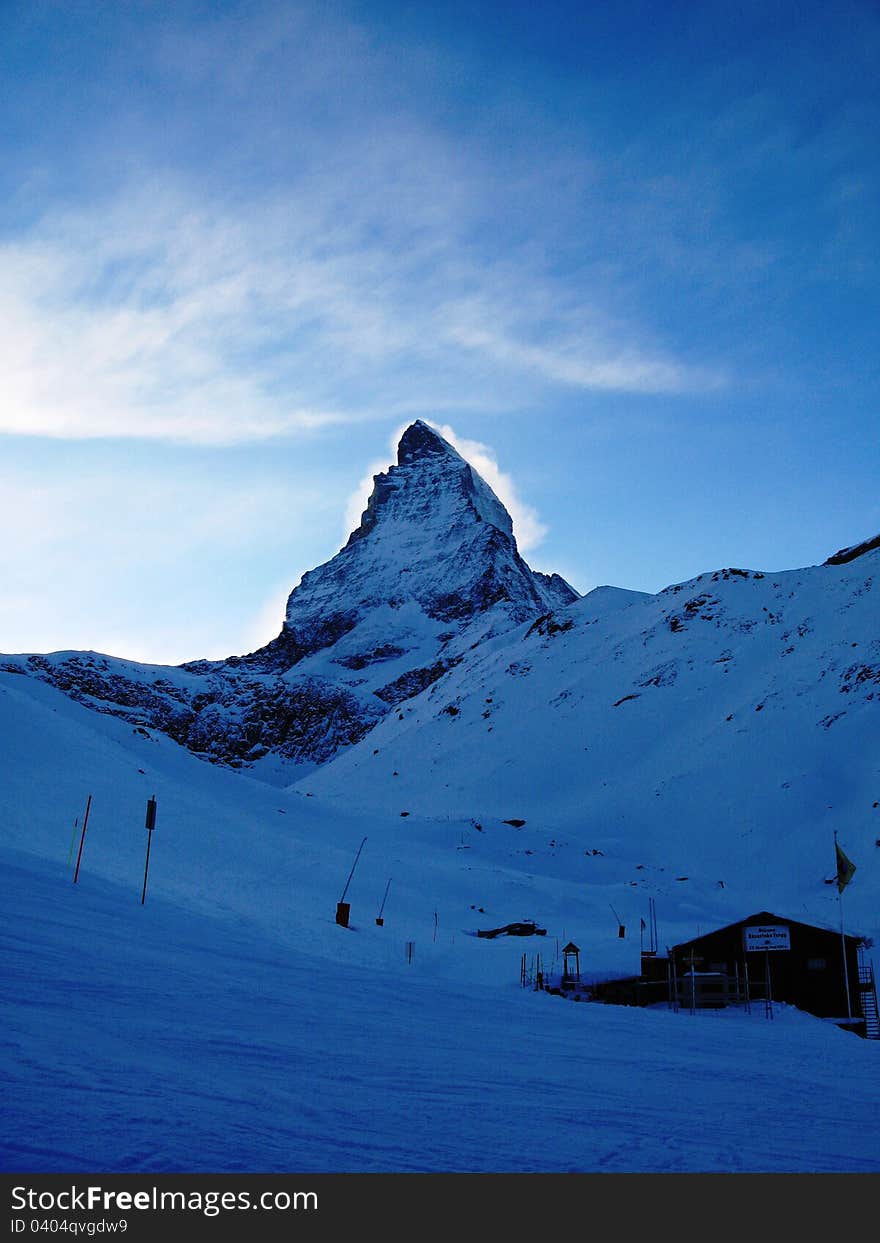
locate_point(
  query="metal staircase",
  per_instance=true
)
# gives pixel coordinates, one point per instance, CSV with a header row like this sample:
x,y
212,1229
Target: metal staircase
x,y
868,996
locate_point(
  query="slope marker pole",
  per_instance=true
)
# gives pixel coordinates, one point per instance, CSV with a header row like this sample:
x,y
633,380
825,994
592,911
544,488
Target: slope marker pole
x,y
379,920
342,907
81,840
150,826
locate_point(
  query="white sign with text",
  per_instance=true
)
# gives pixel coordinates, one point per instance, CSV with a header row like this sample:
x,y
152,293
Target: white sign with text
x,y
766,937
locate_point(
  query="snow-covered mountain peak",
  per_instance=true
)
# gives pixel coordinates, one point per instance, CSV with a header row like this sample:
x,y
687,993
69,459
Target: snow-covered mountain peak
x,y
432,486
434,536
420,440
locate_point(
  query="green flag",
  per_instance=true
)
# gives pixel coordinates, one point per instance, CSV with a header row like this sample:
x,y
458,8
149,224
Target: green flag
x,y
845,869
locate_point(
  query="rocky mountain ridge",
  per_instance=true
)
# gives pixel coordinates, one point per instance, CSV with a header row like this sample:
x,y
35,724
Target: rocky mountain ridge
x,y
431,572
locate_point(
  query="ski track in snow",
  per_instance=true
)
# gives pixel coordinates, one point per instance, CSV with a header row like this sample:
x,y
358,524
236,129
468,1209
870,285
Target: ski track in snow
x,y
156,1039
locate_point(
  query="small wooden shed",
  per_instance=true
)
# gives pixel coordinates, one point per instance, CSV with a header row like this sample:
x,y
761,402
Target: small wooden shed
x,y
571,966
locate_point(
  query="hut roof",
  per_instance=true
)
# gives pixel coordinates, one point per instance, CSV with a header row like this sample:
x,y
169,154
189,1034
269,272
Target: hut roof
x,y
764,917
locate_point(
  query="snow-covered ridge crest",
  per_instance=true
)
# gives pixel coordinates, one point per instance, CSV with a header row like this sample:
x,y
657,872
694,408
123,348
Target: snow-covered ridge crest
x,y
844,555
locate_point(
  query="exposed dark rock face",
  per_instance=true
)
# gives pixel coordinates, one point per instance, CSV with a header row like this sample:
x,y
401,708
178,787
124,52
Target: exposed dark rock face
x,y
413,682
845,555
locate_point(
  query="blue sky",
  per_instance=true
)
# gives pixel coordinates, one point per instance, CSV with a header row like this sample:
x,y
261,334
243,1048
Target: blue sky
x,y
629,250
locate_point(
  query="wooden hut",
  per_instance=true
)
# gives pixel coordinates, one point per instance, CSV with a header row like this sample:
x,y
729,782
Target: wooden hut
x,y
803,964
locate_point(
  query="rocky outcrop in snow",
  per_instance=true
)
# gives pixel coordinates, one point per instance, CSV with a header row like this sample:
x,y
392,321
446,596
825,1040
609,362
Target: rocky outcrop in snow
x,y
845,555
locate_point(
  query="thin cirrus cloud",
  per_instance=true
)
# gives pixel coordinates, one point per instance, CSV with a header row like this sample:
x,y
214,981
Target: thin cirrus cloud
x,y
584,353
160,318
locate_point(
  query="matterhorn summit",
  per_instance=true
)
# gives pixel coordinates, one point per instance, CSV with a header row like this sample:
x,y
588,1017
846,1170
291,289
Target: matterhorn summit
x,y
434,553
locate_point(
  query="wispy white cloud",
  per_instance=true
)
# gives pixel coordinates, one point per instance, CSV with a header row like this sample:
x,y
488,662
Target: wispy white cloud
x,y
356,295
144,323
527,526
380,262
573,350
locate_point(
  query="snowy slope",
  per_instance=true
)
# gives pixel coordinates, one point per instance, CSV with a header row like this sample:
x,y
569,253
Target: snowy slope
x,y
721,730
535,757
229,1025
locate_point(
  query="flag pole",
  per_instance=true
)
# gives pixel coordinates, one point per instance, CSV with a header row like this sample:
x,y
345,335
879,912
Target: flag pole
x,y
840,889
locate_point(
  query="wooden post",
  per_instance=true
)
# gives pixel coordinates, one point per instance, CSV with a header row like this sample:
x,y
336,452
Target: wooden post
x,y
81,840
674,979
768,995
691,958
150,825
670,995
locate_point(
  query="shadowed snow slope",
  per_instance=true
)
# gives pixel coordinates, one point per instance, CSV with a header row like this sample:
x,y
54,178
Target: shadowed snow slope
x,y
228,1024
723,729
